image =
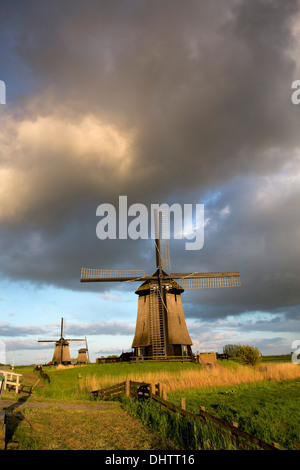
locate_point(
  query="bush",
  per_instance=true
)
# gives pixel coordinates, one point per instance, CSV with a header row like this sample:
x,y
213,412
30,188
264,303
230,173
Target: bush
x,y
248,355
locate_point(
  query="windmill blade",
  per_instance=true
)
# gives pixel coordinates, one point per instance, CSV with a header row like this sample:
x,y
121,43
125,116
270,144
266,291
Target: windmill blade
x,y
214,282
207,280
162,236
80,340
47,340
156,324
62,328
109,275
87,350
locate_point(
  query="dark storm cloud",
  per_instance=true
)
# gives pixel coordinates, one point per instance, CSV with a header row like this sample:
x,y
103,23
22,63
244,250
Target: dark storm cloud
x,y
160,101
206,85
253,228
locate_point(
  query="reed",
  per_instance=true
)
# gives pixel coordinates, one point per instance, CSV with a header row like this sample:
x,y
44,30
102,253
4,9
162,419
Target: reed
x,y
198,377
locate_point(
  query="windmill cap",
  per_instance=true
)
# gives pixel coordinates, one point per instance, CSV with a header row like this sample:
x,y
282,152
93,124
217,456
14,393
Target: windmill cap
x,y
144,288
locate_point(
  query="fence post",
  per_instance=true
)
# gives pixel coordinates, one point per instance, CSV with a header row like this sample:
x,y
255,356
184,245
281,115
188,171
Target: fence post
x,y
164,394
182,403
152,389
202,408
277,446
127,388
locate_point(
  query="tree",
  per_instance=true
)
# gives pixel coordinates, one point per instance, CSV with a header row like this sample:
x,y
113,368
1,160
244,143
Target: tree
x,y
230,349
248,355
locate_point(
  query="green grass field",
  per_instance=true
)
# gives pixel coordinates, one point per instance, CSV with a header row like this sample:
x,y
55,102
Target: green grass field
x,y
263,401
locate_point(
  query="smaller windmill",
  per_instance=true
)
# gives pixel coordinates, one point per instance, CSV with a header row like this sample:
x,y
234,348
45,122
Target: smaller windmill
x,y
61,352
83,355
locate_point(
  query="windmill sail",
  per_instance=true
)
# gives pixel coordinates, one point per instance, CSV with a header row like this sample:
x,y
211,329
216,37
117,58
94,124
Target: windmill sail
x,y
162,235
117,275
207,280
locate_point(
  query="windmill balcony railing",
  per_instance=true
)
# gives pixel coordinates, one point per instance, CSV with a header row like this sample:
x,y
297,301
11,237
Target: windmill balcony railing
x,y
162,358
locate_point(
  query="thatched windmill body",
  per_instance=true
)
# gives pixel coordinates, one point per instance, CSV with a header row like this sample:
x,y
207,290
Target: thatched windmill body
x,y
161,332
61,352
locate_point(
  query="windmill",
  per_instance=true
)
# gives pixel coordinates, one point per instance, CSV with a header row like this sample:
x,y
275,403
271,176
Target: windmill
x,y
61,352
83,355
161,332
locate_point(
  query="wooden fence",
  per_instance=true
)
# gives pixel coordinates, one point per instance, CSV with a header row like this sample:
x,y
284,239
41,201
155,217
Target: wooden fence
x,y
108,392
242,438
129,388
158,396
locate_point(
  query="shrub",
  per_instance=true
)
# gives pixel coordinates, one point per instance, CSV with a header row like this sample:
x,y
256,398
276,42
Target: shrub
x,y
248,355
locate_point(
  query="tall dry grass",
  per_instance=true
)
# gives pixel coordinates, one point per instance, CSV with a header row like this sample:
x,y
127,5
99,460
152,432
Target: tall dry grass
x,y
216,376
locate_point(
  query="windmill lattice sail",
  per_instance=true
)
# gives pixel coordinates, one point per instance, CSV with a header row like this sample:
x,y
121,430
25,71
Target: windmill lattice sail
x,y
117,275
208,280
162,236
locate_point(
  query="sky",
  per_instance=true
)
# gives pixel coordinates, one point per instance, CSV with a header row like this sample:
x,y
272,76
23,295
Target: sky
x,y
162,102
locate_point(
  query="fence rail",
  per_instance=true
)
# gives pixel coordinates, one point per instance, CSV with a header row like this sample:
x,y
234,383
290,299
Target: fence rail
x,y
106,392
158,396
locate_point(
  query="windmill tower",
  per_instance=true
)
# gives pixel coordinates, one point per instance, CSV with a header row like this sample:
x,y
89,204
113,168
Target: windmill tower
x,y
61,352
161,332
83,355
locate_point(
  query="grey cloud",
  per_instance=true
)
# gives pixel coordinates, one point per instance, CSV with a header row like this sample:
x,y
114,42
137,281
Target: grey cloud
x,y
258,237
6,329
104,328
73,330
200,93
20,345
204,83
279,325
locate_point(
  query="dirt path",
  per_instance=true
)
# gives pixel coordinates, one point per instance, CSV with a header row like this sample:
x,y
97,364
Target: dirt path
x,y
4,404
